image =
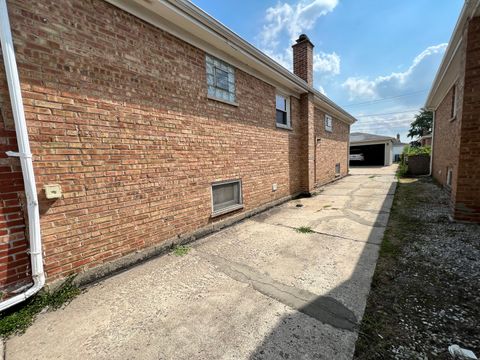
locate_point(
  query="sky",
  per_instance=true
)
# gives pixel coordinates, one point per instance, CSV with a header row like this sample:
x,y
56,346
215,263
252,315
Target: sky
x,y
375,58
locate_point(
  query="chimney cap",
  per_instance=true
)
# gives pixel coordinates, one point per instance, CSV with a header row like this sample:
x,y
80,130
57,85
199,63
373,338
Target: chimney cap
x,y
303,38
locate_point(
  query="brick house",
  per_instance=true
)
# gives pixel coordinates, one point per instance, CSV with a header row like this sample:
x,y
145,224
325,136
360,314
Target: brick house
x,y
150,123
455,100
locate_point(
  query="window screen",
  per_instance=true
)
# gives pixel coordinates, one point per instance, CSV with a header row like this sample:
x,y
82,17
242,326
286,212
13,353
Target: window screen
x,y
453,110
328,123
282,110
226,196
449,176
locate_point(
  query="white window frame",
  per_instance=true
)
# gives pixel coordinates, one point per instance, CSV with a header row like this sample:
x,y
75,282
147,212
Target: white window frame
x,y
339,165
454,101
219,65
287,104
230,208
328,121
449,176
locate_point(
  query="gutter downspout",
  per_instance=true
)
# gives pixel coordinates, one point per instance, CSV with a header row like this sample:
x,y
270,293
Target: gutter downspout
x,y
25,156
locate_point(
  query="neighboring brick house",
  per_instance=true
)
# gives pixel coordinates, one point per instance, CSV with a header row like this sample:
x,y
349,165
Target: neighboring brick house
x,y
455,100
158,124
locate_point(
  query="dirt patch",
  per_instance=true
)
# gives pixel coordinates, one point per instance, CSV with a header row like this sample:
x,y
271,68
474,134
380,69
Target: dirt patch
x,y
425,291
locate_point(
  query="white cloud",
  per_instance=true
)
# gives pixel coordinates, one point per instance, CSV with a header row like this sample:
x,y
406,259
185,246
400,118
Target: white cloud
x,y
418,75
321,89
284,22
326,63
293,19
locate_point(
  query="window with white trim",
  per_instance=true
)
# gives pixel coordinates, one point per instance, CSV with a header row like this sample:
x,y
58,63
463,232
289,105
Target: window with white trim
x,y
328,123
226,196
282,109
449,176
337,169
220,79
453,112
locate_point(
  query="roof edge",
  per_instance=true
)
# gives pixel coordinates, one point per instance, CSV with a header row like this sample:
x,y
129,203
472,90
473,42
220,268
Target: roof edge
x,y
201,18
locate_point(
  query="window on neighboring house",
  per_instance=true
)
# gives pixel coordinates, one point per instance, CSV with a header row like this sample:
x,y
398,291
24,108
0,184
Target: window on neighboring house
x,y
328,123
226,196
282,104
337,169
454,102
449,176
220,79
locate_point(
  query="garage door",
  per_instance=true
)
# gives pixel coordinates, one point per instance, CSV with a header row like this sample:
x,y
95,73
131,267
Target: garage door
x,y
374,155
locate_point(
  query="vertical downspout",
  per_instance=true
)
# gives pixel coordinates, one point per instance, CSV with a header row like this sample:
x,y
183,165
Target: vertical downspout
x,y
25,156
433,137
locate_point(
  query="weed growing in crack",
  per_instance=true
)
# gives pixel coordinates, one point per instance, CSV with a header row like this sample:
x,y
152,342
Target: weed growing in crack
x,y
181,250
304,230
20,317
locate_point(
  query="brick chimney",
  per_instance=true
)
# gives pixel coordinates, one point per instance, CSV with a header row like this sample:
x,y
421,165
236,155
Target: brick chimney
x,y
303,59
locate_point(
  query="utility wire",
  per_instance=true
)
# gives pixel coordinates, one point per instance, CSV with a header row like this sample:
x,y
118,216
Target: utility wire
x,y
391,113
372,121
386,98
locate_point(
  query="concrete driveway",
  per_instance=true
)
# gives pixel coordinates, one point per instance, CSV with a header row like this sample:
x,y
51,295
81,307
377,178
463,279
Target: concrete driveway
x,y
256,290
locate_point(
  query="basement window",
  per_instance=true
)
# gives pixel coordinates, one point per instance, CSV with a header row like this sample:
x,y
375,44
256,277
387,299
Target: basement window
x,y
328,123
226,197
337,169
449,177
220,80
282,107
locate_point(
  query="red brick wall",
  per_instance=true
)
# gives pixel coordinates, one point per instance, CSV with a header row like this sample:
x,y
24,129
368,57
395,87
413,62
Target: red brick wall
x,y
447,139
118,116
14,260
467,205
331,148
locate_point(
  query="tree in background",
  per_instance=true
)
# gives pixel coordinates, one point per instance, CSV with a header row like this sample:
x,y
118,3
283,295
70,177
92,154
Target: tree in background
x,y
422,125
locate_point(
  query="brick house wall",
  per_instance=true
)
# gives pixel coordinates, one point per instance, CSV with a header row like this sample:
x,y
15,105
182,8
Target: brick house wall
x,y
446,140
331,148
456,143
118,115
467,204
14,259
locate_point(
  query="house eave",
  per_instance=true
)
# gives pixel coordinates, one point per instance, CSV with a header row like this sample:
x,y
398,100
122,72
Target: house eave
x,y
450,65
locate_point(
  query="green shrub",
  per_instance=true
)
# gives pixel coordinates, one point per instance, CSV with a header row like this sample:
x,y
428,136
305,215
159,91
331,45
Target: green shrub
x,y
417,150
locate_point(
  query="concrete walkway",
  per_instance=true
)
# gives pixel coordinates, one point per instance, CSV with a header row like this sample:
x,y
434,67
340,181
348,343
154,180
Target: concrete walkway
x,y
257,290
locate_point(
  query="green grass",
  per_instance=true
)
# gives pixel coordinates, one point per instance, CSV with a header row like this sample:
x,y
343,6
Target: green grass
x,y
304,230
402,170
180,250
378,330
19,318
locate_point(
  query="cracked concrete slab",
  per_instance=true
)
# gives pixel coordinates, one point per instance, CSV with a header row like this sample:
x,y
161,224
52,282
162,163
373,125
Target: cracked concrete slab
x,y
256,290
323,308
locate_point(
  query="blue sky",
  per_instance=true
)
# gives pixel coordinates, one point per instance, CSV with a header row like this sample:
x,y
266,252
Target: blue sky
x,y
375,58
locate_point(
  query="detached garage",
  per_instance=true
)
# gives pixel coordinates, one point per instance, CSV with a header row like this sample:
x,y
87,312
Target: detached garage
x,y
370,149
